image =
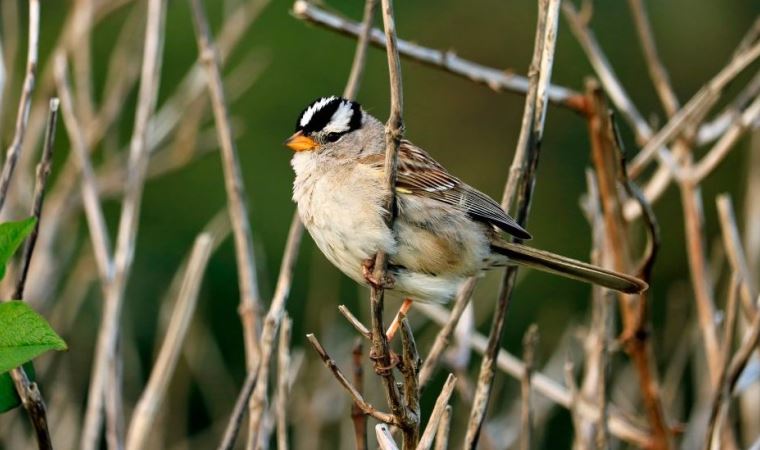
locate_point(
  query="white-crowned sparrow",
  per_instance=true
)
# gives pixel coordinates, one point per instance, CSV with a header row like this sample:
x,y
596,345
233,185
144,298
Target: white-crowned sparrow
x,y
445,230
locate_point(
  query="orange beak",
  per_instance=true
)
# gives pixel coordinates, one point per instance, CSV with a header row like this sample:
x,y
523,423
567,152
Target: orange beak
x,y
298,142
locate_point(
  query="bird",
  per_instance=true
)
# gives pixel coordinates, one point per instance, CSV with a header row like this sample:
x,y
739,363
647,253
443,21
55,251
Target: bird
x,y
445,230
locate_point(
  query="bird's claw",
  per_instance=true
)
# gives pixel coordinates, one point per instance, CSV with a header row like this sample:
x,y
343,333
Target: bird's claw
x,y
368,271
381,370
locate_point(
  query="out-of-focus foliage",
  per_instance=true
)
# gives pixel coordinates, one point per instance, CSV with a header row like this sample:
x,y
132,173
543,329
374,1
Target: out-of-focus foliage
x,y
467,127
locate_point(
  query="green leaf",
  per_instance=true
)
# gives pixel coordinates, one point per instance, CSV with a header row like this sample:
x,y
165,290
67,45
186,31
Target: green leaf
x,y
24,334
12,234
9,398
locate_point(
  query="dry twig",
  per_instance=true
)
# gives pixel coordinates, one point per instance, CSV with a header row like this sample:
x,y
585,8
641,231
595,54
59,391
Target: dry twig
x,y
530,340
250,303
607,155
620,425
355,394
27,390
358,417
107,356
440,410
448,61
146,410
25,102
520,189
283,370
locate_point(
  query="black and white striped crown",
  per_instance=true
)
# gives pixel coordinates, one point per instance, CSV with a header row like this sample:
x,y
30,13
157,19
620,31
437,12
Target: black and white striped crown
x,y
331,115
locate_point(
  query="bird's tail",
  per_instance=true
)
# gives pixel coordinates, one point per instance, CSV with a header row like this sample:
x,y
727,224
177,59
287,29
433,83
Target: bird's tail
x,y
568,267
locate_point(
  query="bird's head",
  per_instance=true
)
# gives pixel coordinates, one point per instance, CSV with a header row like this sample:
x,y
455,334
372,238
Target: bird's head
x,y
332,123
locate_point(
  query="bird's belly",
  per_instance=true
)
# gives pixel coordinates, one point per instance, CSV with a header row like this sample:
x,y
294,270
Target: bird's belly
x,y
348,227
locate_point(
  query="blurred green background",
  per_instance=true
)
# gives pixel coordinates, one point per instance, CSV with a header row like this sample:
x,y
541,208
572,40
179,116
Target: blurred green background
x,y
467,127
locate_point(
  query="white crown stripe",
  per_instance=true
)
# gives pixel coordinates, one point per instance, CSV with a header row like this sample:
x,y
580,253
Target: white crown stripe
x,y
339,122
309,113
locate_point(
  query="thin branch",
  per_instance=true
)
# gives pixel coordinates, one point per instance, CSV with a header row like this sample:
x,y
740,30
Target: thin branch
x,y
42,174
530,340
440,408
519,187
380,352
727,141
444,427
447,61
236,418
25,102
730,374
93,211
277,307
358,417
410,364
250,303
106,353
147,408
271,324
34,404
704,98
355,394
573,406
443,337
620,425
27,390
733,245
384,437
710,131
610,172
614,88
356,323
657,71
283,371
360,55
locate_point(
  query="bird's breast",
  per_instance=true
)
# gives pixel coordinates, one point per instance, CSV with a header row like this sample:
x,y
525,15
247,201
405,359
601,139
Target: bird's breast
x,y
342,210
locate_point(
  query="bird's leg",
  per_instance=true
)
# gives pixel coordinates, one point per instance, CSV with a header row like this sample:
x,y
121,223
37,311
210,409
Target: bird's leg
x,y
368,271
393,328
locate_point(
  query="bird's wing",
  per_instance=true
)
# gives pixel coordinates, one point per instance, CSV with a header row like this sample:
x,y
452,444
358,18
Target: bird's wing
x,y
420,175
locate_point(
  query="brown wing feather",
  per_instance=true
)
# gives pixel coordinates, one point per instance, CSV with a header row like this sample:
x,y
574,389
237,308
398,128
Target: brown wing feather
x,y
419,174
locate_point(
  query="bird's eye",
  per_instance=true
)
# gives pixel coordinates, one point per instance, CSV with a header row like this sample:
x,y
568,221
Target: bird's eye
x,y
332,137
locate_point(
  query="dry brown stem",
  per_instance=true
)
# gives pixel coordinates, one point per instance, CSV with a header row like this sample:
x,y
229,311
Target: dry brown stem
x,y
606,156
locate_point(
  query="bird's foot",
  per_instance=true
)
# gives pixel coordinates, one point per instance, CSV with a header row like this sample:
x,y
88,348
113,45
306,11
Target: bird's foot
x,y
368,271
